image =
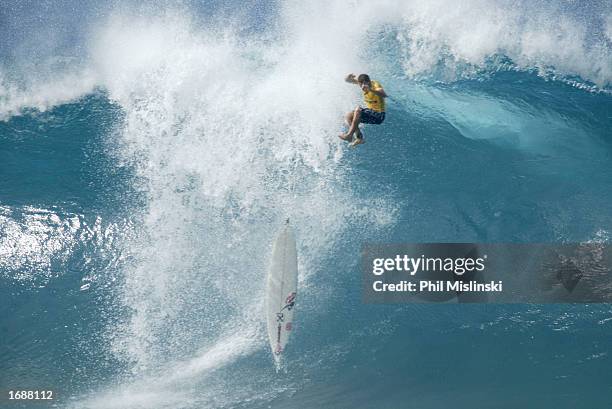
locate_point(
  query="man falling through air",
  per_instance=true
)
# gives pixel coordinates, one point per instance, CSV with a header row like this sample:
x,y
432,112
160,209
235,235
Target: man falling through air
x,y
374,97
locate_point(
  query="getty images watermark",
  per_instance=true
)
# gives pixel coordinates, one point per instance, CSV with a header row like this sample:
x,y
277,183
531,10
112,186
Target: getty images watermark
x,y
504,273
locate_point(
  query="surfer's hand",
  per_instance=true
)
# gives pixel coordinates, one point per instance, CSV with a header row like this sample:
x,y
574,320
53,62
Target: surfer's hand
x,y
350,78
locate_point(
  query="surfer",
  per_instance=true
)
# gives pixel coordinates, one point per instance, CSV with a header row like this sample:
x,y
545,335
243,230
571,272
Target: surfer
x,y
374,97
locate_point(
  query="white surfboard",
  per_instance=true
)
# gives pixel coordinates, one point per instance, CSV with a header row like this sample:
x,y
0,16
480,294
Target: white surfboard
x,y
281,291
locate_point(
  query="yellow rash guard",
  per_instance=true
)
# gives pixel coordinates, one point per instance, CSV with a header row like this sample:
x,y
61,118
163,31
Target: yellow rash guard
x,y
373,101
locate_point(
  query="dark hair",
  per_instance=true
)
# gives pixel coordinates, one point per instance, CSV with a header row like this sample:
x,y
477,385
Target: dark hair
x,y
363,78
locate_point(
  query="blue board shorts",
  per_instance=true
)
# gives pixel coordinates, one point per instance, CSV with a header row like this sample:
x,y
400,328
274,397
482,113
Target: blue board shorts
x,y
369,116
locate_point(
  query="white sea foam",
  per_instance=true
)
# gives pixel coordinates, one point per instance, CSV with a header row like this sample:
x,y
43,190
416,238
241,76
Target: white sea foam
x,y
43,94
227,141
30,239
36,244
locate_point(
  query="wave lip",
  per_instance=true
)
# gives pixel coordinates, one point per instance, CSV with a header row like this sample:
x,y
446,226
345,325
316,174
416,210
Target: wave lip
x,y
438,40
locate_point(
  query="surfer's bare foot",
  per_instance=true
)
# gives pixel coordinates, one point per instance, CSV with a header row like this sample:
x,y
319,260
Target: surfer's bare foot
x,y
345,136
356,141
357,138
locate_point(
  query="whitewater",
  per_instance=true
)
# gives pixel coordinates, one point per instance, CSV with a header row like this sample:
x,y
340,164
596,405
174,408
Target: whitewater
x,y
150,154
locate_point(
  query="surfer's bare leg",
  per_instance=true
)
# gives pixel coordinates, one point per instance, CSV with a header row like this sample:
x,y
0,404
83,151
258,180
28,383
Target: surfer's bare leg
x,y
348,120
353,119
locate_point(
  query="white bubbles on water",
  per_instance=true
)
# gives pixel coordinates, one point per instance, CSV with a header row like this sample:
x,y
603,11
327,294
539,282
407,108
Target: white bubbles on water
x,y
229,136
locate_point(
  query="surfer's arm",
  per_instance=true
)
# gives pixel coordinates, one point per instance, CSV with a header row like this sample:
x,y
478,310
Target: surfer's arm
x,y
351,79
